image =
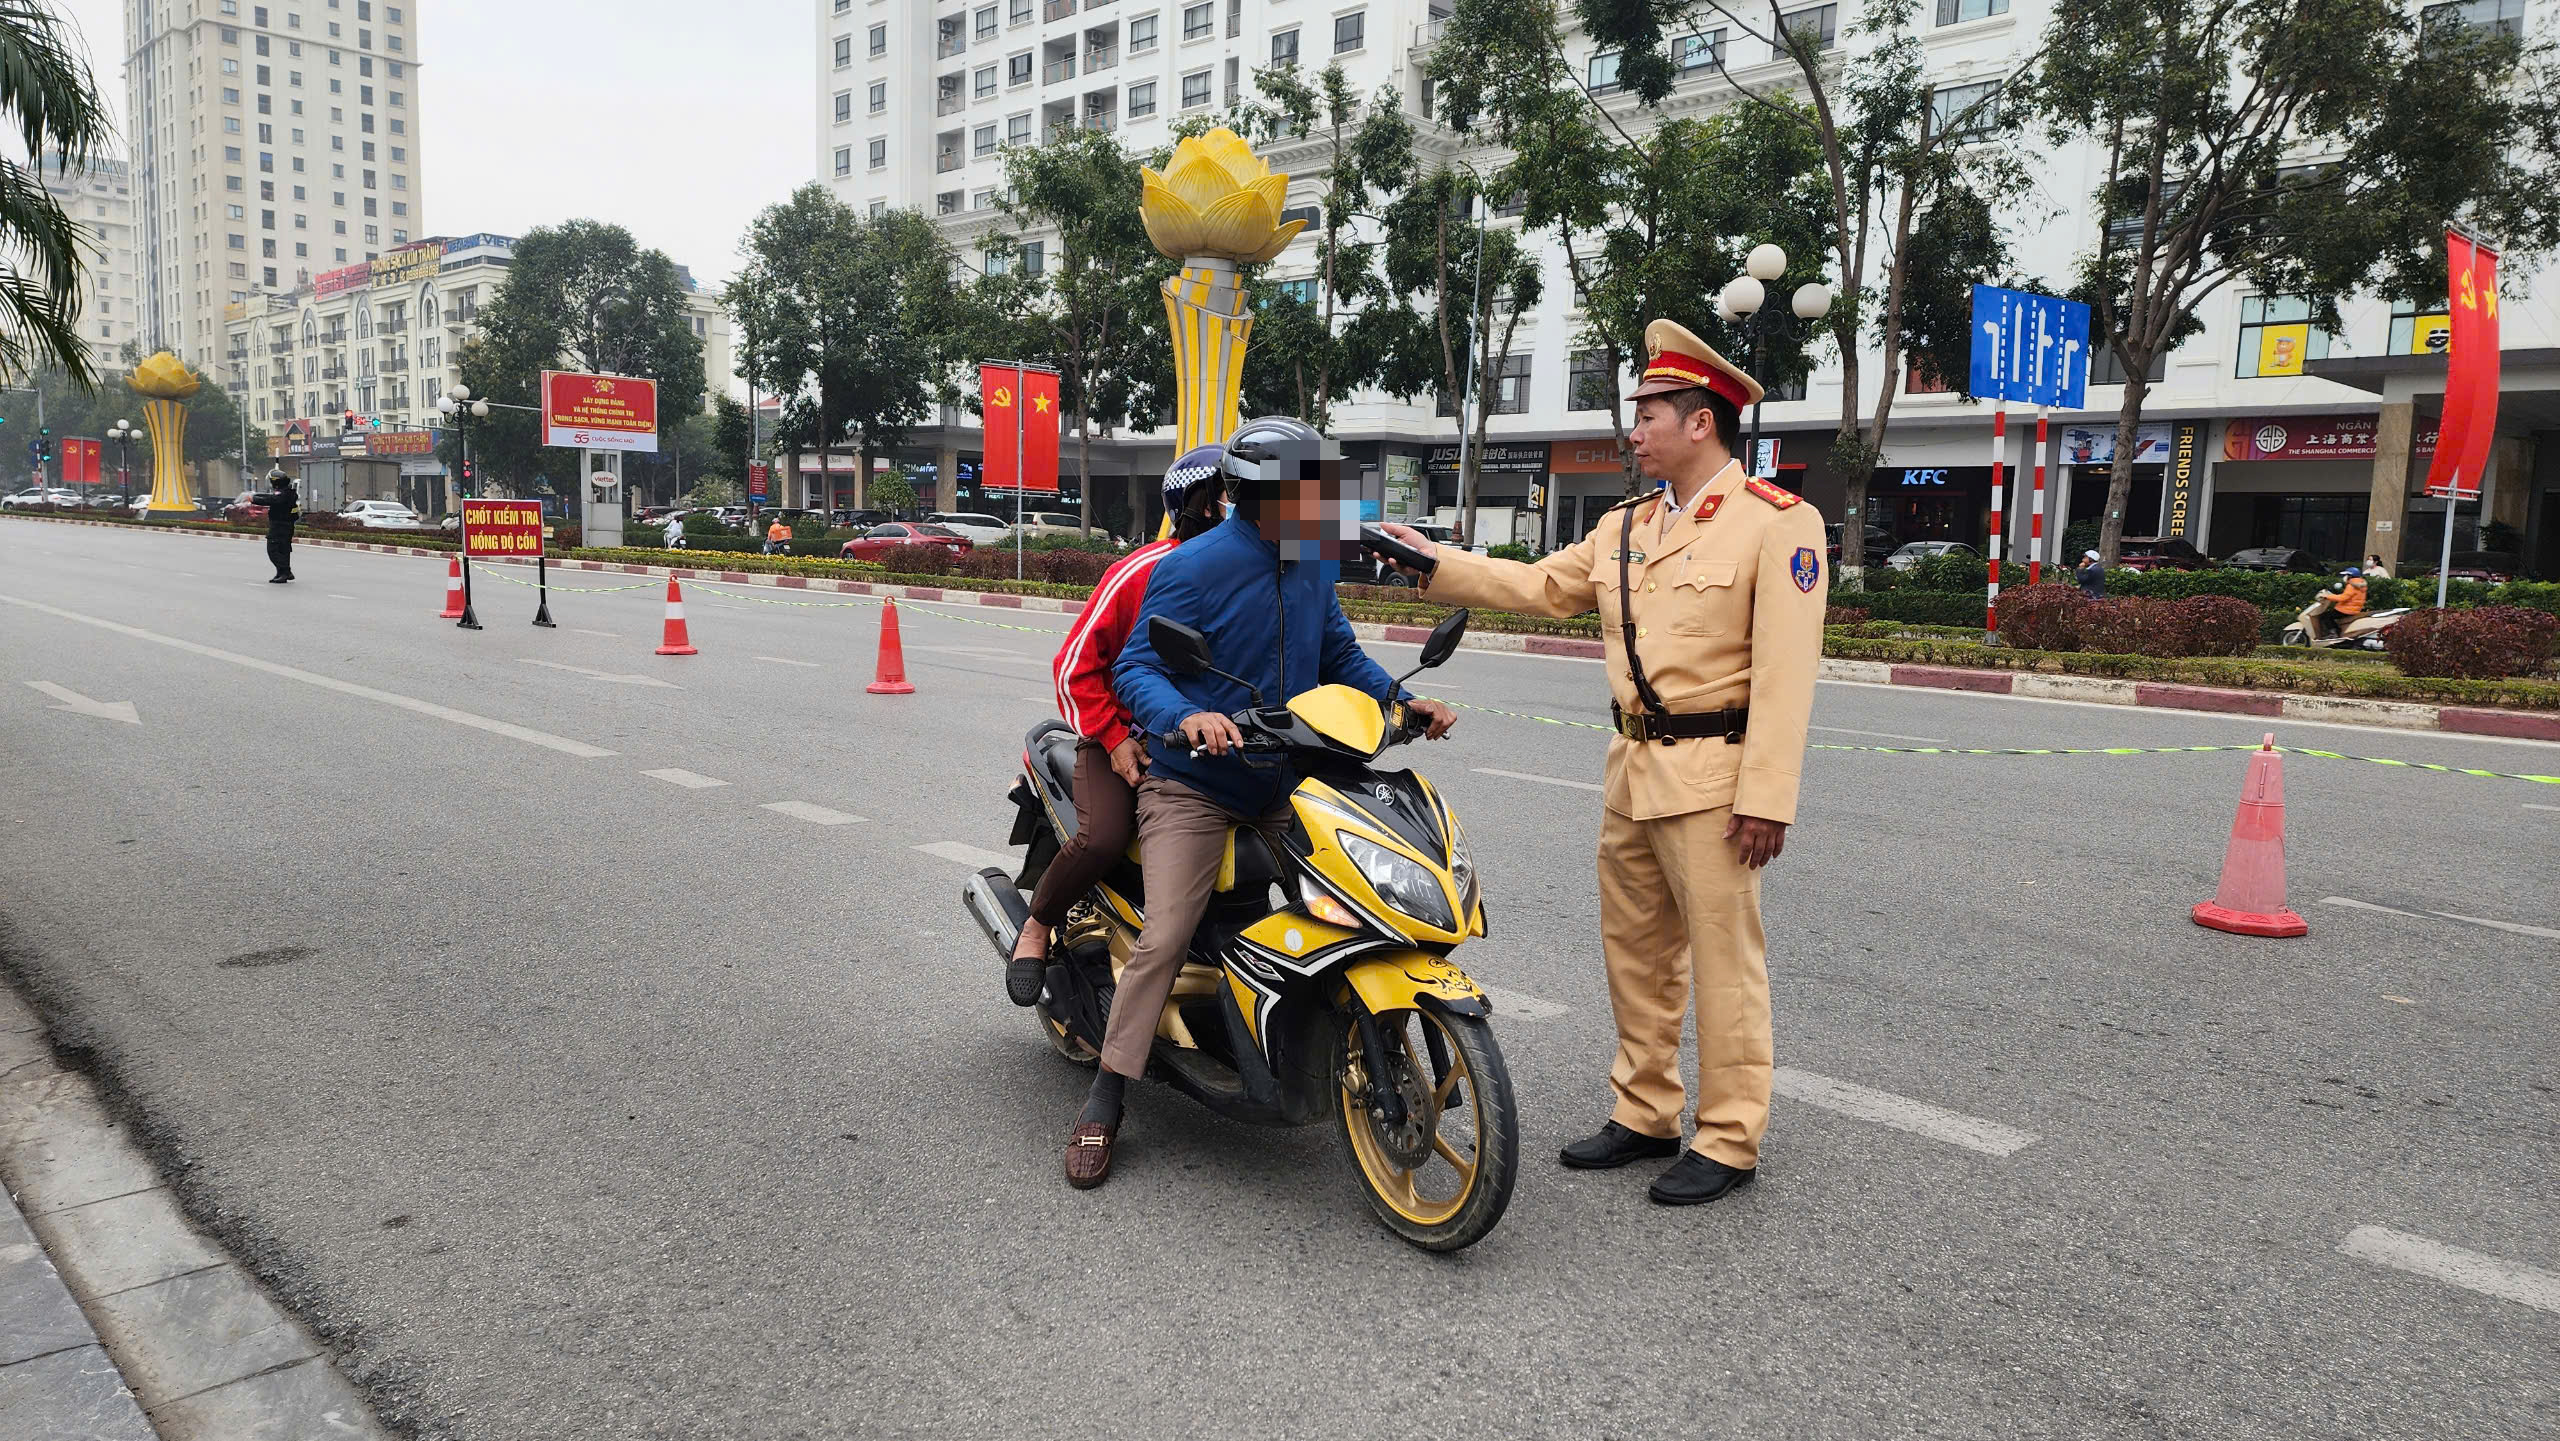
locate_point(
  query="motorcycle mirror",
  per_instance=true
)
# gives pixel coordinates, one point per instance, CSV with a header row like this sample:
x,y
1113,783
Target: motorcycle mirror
x,y
1444,638
1184,649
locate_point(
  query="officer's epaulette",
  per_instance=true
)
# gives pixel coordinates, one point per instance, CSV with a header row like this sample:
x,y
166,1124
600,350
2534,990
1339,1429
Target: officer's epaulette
x,y
1777,495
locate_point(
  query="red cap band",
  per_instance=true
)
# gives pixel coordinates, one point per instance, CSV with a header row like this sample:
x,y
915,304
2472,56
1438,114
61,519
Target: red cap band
x,y
1672,365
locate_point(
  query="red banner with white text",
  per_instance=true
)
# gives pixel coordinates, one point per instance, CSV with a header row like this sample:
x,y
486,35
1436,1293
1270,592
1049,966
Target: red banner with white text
x,y
2471,371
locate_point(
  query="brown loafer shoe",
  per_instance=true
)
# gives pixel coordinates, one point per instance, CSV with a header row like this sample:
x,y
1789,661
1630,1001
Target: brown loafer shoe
x,y
1089,1155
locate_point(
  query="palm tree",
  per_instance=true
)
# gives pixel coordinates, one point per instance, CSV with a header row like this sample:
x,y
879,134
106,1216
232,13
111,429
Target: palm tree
x,y
49,97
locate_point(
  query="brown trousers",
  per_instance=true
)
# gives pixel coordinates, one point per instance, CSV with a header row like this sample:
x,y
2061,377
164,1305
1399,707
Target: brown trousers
x,y
1182,835
1677,908
1105,810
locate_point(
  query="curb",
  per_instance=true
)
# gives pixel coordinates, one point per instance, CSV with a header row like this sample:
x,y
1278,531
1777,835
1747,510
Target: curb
x,y
150,1329
2098,690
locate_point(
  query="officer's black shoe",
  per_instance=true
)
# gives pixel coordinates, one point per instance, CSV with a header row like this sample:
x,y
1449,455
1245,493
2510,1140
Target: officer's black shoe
x,y
278,579
1613,1146
1696,1180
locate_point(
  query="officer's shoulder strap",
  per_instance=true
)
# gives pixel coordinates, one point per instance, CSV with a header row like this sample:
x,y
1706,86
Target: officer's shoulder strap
x,y
1776,495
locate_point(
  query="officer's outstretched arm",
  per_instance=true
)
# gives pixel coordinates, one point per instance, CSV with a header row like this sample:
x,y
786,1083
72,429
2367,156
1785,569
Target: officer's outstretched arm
x,y
1559,585
1787,601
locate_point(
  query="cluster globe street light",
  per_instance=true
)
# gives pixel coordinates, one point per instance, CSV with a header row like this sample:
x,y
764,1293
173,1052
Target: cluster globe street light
x,y
459,408
1744,301
122,433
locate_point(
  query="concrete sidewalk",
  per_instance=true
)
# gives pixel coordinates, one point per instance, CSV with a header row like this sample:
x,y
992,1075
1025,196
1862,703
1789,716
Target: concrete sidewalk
x,y
118,1321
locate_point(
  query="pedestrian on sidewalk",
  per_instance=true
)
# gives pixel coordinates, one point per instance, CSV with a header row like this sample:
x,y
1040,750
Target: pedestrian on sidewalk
x,y
2093,576
282,510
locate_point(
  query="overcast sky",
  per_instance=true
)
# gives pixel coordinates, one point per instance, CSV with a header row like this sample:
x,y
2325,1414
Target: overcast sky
x,y
677,121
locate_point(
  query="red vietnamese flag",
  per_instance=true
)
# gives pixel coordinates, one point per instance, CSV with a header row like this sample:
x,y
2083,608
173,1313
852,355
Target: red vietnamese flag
x,y
997,393
2471,372
1040,432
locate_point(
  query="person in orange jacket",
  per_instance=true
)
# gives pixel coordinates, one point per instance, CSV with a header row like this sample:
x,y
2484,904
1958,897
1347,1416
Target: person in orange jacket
x,y
2345,600
777,536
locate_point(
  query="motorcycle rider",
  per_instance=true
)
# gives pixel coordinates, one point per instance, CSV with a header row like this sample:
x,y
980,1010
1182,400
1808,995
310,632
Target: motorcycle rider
x,y
1109,760
2345,600
1260,586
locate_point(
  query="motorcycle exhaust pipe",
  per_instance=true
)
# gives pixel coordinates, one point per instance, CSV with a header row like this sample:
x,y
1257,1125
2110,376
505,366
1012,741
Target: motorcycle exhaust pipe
x,y
996,903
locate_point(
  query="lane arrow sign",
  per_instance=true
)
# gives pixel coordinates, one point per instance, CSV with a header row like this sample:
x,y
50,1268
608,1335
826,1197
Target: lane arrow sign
x,y
78,704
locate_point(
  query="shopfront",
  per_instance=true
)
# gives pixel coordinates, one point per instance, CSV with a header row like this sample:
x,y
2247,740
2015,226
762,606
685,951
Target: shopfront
x,y
1933,502
1508,474
2303,481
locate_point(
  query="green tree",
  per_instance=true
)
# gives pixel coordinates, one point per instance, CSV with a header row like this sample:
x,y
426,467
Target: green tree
x,y
894,491
1652,218
1904,182
1368,157
578,296
50,100
1089,313
732,435
2210,116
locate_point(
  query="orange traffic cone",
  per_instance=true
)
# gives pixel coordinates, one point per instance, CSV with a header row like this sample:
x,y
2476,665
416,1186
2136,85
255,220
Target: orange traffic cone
x,y
2250,901
891,676
676,641
452,589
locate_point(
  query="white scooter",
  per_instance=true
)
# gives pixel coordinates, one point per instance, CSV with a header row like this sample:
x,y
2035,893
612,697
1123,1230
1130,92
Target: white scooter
x,y
2362,633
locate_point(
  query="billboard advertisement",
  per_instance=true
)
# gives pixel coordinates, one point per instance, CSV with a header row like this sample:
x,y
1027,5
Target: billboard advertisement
x,y
341,280
408,263
599,412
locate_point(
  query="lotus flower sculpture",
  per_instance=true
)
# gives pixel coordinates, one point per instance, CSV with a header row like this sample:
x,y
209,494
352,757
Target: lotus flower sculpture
x,y
1216,198
1215,207
164,382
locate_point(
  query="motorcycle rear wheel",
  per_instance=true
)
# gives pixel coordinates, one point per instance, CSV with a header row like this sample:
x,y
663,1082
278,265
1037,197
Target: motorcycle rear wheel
x,y
1062,1042
1451,1196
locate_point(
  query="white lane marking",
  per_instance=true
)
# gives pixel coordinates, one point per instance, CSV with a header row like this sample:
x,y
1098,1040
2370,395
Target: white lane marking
x,y
412,704
687,779
969,855
333,595
1520,1006
2514,927
606,634
1884,735
982,652
1525,776
1900,1112
814,815
2506,1280
2528,805
2180,713
786,660
610,677
78,704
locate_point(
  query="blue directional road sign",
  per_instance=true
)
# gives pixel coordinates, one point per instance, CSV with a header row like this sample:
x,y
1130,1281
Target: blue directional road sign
x,y
2029,348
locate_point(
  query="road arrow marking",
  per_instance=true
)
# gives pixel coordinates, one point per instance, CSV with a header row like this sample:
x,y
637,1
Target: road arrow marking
x,y
602,675
78,704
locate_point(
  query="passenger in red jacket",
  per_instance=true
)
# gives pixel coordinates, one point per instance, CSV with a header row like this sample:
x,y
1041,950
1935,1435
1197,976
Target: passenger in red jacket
x,y
1109,759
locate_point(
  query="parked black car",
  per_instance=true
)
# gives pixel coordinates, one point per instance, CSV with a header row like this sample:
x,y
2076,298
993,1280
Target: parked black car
x,y
2277,557
1879,543
2153,552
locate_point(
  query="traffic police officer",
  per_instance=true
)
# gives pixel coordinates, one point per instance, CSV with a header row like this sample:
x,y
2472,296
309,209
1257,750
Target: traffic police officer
x,y
1711,596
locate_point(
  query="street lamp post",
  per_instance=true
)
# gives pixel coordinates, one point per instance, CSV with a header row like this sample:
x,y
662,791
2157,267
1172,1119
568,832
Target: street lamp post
x,y
122,434
1744,299
460,409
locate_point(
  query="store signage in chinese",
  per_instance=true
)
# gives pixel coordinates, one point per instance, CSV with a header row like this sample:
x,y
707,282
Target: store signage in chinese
x,y
1492,458
2310,437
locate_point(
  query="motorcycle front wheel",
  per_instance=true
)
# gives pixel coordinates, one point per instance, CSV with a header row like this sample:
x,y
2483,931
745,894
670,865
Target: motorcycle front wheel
x,y
1442,1179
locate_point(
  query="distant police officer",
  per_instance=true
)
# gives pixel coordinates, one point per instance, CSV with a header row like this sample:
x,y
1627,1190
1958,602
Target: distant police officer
x,y
1711,594
282,510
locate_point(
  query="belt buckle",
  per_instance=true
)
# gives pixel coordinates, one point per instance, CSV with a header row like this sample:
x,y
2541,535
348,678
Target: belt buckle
x,y
1631,724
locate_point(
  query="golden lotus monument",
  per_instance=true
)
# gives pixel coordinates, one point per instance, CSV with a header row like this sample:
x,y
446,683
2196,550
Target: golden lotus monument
x,y
1215,207
164,383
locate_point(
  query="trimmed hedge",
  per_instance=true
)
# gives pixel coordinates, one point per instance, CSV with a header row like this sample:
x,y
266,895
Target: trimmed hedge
x,y
2234,673
2479,644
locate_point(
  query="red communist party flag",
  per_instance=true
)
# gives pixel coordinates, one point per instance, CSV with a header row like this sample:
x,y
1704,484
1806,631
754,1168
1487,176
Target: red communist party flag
x,y
2471,371
1040,432
998,393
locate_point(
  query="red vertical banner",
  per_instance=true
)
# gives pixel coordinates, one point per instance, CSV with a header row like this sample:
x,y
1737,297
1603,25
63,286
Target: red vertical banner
x,y
1040,432
80,461
1000,402
2471,372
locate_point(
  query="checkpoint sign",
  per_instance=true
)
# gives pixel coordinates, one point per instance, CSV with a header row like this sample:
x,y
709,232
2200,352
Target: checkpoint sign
x,y
501,528
2029,348
599,412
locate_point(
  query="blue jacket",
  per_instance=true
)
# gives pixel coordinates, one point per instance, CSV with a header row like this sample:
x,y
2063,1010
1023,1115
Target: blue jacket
x,y
1278,625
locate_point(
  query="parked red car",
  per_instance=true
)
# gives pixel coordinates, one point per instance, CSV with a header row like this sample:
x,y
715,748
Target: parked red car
x,y
879,539
2150,552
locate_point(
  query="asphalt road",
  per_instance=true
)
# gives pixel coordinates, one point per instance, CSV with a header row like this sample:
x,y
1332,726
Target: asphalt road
x,y
571,1095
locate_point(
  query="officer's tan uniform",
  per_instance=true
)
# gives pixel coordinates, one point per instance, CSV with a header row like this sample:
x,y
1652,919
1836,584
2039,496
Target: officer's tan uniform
x,y
1727,596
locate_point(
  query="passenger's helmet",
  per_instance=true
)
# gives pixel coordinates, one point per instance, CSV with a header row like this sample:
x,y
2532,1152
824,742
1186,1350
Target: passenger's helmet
x,y
1198,464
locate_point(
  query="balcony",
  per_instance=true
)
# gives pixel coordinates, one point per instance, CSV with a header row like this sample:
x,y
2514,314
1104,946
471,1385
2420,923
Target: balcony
x,y
394,364
1101,58
1062,68
281,347
946,161
395,324
1057,9
949,102
333,337
334,372
951,43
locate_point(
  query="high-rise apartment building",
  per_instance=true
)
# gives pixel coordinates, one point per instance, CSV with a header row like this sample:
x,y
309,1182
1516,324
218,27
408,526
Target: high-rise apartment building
x,y
271,143
98,197
2283,433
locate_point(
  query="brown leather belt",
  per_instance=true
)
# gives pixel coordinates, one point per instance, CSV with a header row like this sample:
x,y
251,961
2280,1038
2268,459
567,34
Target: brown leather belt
x,y
1729,723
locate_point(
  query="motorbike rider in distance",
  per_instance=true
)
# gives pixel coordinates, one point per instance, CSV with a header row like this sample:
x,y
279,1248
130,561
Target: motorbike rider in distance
x,y
1109,760
1260,586
2345,600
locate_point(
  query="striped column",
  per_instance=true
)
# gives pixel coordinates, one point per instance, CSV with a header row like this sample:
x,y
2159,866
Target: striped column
x,y
167,422
1999,512
1211,325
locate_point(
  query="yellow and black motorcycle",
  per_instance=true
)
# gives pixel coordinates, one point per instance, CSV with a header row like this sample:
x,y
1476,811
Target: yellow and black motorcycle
x,y
1318,987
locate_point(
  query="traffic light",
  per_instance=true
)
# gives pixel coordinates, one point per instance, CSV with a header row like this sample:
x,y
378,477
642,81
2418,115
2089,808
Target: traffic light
x,y
349,423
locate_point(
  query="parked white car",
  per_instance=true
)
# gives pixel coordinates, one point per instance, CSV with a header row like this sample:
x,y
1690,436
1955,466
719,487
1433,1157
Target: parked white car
x,y
1058,522
382,515
978,529
40,495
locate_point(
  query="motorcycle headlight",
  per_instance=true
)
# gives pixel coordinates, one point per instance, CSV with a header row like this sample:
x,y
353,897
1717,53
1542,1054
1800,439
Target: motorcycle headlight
x,y
1402,883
